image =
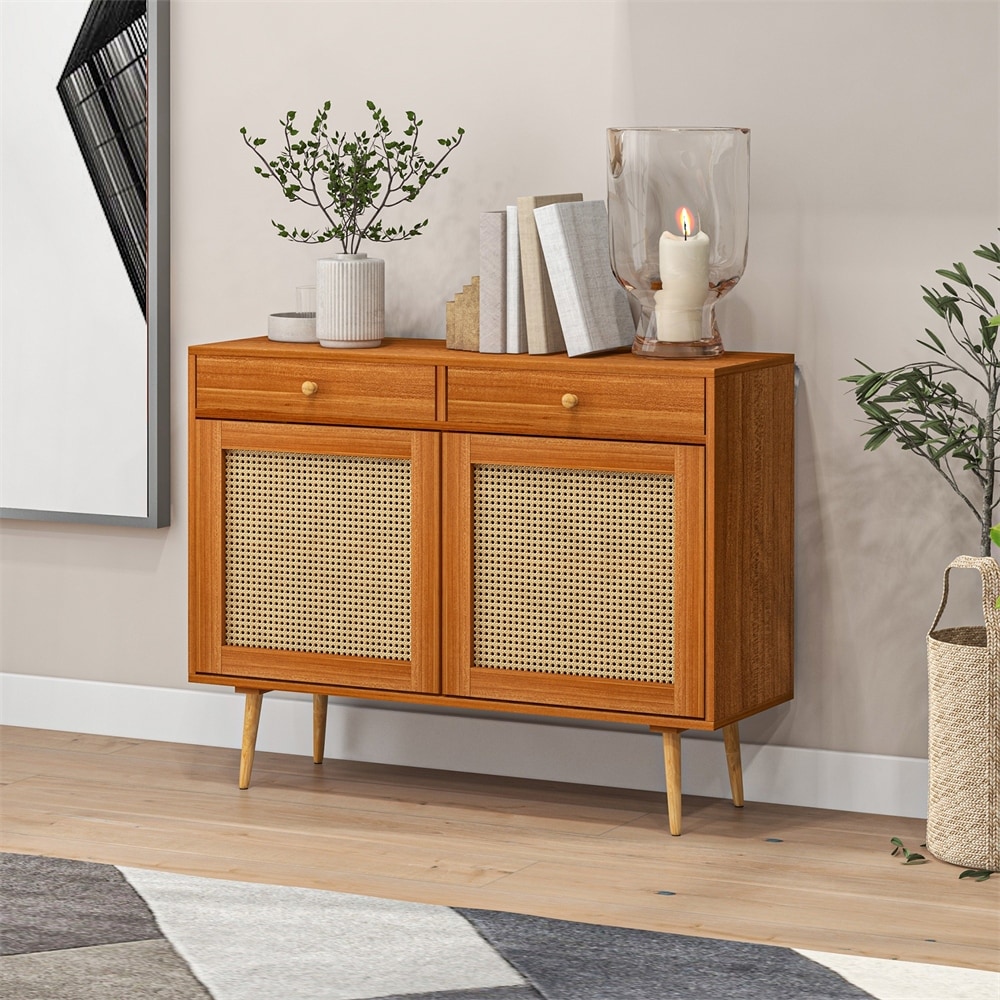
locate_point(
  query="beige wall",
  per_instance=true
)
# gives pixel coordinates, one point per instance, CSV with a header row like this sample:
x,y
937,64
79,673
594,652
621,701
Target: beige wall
x,y
875,161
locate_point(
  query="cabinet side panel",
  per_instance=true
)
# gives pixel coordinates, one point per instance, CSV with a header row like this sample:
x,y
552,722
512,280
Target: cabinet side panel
x,y
751,541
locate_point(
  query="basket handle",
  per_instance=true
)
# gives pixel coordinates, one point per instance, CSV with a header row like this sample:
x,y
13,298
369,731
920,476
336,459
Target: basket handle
x,y
990,572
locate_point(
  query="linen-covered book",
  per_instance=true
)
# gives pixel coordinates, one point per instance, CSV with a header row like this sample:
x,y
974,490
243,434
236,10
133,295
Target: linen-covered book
x,y
517,331
593,308
493,282
541,316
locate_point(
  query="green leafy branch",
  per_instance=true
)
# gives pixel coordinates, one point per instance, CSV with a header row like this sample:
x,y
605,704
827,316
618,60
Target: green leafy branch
x,y
921,408
351,179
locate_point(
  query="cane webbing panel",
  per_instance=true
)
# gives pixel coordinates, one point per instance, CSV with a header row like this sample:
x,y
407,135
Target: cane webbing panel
x,y
573,572
317,552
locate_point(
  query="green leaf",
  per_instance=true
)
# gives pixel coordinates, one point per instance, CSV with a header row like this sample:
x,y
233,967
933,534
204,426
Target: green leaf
x,y
990,331
960,274
978,874
938,346
934,301
986,296
878,438
868,385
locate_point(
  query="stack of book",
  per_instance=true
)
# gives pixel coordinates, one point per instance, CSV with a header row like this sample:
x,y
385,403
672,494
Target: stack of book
x,y
545,281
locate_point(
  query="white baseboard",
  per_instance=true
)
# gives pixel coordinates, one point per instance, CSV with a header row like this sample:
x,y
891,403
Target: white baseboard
x,y
548,749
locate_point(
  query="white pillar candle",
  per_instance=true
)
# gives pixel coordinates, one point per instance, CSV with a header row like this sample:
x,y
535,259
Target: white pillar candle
x,y
684,277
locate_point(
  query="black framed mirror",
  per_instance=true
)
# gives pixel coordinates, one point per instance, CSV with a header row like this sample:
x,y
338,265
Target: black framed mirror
x,y
84,339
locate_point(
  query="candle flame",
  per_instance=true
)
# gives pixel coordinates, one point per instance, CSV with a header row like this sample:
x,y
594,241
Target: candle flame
x,y
685,222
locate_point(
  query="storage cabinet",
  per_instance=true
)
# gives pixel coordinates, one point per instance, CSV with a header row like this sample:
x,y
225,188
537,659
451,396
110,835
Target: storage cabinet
x,y
605,538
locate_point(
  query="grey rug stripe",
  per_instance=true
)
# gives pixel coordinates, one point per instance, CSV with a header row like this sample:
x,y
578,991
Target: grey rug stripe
x,y
565,960
127,971
49,904
487,993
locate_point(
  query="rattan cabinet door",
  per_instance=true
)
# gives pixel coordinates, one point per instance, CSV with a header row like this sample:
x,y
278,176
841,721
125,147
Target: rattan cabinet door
x,y
315,555
574,573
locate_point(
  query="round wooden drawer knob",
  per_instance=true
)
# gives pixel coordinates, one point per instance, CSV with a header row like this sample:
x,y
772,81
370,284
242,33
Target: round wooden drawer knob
x,y
569,400
309,388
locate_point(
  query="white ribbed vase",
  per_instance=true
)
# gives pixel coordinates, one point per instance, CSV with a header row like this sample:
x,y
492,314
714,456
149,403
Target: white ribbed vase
x,y
350,300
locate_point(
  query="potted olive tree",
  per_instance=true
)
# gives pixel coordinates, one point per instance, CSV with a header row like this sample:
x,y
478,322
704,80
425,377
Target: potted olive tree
x,y
919,406
352,181
944,409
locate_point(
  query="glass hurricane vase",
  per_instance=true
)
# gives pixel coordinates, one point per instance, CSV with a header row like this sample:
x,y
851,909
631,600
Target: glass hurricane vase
x,y
678,206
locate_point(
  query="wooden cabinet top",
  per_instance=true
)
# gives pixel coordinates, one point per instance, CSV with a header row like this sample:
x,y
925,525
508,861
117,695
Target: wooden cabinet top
x,y
402,350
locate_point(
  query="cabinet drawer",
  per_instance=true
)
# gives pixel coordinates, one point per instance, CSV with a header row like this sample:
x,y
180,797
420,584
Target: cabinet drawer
x,y
317,392
648,408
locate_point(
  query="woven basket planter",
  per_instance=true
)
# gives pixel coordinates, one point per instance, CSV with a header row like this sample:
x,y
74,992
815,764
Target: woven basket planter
x,y
963,809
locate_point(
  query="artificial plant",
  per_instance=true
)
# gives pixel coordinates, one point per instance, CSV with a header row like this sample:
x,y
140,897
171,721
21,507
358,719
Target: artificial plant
x,y
351,179
920,406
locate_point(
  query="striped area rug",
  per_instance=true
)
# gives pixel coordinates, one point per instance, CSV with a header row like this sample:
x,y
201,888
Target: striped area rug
x,y
74,930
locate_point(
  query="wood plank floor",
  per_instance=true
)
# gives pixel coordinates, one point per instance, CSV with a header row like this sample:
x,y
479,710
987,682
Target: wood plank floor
x,y
808,878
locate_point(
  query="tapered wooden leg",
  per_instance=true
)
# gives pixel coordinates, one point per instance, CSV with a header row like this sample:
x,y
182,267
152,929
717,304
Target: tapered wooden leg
x,y
319,727
731,737
672,765
251,719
